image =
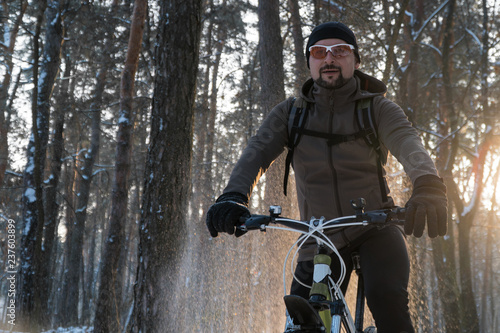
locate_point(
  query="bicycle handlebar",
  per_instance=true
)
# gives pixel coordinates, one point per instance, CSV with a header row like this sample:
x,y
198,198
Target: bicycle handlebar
x,y
381,216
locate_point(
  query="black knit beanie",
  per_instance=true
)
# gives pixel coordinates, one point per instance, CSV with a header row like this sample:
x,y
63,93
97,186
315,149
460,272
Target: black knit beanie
x,y
332,30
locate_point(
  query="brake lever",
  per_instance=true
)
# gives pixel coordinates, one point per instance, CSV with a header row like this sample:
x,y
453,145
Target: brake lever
x,y
242,228
252,223
239,232
385,215
396,215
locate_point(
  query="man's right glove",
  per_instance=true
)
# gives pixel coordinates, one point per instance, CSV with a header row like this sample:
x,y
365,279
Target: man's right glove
x,y
225,213
427,203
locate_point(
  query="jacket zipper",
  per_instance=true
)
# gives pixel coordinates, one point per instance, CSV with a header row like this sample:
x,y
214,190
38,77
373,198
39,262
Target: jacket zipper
x,y
330,161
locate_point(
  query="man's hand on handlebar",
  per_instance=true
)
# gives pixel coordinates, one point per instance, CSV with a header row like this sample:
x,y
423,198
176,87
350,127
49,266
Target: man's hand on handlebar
x,y
428,203
224,215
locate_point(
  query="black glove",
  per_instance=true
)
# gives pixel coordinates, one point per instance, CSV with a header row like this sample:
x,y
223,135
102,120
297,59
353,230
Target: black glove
x,y
427,203
225,213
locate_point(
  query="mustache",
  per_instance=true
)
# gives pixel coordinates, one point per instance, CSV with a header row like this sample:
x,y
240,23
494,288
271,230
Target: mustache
x,y
330,66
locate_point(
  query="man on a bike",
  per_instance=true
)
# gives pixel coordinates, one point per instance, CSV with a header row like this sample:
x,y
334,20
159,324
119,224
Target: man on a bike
x,y
329,174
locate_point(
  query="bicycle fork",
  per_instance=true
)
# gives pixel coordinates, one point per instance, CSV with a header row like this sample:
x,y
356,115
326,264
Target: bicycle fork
x,y
331,311
360,296
320,292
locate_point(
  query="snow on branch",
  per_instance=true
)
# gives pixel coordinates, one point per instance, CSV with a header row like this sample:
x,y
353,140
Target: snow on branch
x,y
98,171
417,34
474,37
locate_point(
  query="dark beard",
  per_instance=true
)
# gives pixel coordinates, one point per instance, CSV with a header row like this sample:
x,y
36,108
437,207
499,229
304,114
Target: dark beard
x,y
338,83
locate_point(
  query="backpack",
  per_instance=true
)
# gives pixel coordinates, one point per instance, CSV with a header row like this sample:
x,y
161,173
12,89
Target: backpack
x,y
366,123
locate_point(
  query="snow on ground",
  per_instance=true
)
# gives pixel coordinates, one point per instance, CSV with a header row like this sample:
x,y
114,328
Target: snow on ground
x,y
83,329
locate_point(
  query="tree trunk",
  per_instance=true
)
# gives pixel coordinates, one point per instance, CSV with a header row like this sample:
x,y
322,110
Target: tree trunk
x,y
392,37
300,67
470,320
84,180
470,317
488,115
272,92
317,12
167,177
201,128
107,314
271,55
207,177
449,291
51,190
272,80
444,248
33,287
4,87
85,176
487,306
200,251
409,89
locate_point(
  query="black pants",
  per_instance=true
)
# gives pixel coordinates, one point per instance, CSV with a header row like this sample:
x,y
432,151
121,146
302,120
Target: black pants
x,y
385,267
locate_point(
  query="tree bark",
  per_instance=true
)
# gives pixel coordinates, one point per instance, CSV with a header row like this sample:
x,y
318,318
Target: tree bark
x,y
202,112
300,70
84,180
409,87
4,87
51,203
33,284
272,80
488,115
272,92
271,55
392,31
443,248
221,35
108,311
167,177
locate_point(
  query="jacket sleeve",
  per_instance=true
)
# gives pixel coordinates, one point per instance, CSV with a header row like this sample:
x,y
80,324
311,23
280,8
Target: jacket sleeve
x,y
262,149
402,139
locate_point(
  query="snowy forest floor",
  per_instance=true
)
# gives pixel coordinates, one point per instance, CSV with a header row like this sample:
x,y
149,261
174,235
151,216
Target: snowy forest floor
x,y
83,329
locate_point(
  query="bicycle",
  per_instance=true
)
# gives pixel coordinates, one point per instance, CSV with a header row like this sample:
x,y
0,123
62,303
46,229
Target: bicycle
x,y
326,309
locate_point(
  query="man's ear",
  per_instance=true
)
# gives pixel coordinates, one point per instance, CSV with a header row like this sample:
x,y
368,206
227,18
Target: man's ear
x,y
356,66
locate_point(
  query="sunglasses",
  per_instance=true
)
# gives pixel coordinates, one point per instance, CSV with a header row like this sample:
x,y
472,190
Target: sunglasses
x,y
338,50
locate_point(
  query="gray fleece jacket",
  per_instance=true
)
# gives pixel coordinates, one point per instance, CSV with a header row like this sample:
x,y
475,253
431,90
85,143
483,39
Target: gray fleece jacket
x,y
328,177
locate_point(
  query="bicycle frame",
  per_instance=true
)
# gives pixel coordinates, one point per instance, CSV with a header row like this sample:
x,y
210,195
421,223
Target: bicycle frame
x,y
325,297
324,289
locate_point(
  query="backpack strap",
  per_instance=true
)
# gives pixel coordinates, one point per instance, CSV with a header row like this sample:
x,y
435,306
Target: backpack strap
x,y
296,123
333,139
365,117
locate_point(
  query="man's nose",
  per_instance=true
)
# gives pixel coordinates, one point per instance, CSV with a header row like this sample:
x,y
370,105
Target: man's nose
x,y
329,57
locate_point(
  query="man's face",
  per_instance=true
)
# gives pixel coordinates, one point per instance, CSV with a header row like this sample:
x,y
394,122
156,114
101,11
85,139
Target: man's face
x,y
332,72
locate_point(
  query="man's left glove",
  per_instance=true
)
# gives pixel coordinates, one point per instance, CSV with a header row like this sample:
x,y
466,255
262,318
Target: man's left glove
x,y
225,213
427,203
